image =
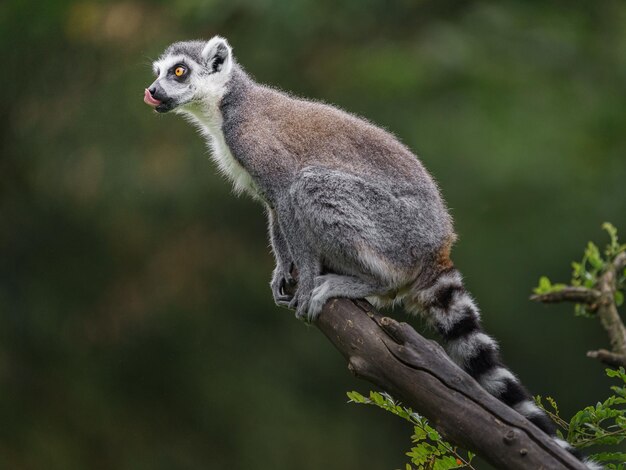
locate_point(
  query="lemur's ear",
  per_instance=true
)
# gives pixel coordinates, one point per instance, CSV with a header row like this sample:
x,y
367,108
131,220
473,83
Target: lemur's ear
x,y
217,55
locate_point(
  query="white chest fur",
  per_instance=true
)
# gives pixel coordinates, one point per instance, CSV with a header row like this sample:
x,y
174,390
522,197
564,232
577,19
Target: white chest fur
x,y
209,122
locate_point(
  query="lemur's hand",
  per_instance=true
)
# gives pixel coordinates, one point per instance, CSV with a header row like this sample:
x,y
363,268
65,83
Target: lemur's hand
x,y
282,283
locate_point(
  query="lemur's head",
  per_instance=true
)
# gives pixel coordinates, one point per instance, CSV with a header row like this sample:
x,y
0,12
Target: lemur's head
x,y
189,72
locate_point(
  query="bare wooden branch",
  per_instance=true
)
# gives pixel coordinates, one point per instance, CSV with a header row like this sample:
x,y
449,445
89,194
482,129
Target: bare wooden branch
x,y
394,357
608,357
580,295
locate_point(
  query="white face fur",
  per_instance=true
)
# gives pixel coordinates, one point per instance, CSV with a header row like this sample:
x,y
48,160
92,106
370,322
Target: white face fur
x,y
191,80
190,73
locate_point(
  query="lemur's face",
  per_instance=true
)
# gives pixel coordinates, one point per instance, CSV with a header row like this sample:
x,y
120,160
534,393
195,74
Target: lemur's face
x,y
190,72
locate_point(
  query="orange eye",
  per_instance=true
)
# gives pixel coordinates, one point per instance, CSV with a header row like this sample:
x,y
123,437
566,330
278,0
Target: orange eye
x,y
180,71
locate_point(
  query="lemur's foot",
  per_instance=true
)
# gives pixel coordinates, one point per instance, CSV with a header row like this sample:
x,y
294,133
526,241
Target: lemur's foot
x,y
310,306
302,299
319,297
302,308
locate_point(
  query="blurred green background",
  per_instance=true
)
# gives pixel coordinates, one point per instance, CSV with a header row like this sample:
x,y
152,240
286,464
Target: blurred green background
x,y
137,328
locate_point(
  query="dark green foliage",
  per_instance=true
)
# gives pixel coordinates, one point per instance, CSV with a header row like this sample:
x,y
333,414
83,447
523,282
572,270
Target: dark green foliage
x,y
597,426
429,451
587,272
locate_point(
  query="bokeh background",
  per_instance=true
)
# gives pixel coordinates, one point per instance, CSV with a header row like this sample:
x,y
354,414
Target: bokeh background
x,y
137,328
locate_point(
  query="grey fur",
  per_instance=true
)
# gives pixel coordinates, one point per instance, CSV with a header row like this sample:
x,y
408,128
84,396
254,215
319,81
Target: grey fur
x,y
349,206
344,191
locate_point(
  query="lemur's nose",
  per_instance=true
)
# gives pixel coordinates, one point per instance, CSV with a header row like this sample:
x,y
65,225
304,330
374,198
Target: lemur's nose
x,y
152,90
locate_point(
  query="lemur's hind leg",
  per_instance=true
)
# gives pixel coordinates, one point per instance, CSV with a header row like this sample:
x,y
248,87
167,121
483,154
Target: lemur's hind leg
x,y
328,286
355,228
303,253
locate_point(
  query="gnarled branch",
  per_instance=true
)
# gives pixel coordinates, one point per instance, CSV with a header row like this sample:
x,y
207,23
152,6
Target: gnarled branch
x,y
609,316
394,357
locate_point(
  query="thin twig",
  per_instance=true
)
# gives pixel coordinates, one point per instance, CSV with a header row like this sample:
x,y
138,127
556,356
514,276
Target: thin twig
x,y
608,357
585,442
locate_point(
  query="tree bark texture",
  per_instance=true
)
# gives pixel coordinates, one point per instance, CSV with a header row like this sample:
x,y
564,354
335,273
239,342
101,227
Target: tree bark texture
x,y
417,371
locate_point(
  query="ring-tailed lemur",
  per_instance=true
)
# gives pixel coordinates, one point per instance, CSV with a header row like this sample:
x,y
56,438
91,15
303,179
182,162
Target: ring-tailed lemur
x,y
349,205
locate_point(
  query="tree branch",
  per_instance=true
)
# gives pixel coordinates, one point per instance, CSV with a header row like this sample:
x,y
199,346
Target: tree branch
x,y
608,357
620,262
608,314
602,301
579,295
394,357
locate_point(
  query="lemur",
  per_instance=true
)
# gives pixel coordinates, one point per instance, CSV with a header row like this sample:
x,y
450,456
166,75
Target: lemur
x,y
349,206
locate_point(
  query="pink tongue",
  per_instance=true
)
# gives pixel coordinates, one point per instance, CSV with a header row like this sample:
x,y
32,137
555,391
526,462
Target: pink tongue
x,y
149,100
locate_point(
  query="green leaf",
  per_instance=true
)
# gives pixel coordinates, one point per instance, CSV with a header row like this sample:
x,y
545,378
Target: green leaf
x,y
553,405
593,256
544,286
621,373
446,463
619,298
613,248
577,269
433,435
356,397
419,434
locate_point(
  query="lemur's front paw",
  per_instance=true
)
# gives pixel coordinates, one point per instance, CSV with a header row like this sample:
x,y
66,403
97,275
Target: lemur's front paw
x,y
281,280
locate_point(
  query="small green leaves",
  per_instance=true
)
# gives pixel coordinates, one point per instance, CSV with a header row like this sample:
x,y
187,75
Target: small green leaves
x,y
429,450
602,424
586,273
613,248
553,412
592,254
589,270
356,397
545,286
617,373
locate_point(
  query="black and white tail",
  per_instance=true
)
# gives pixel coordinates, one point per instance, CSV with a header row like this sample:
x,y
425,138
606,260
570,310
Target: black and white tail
x,y
450,309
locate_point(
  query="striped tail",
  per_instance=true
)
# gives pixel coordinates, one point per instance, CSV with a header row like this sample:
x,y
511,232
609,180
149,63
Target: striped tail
x,y
450,309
